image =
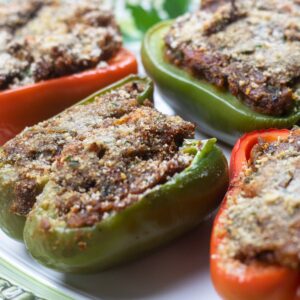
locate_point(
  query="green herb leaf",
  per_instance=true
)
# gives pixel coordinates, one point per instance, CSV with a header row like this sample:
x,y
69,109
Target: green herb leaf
x,y
143,18
145,14
175,8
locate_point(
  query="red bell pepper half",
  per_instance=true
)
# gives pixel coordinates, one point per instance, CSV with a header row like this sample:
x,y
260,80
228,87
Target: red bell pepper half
x,y
232,279
30,104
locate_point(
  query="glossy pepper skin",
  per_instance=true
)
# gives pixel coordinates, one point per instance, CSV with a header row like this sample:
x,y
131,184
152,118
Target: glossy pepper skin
x,y
217,111
31,104
161,214
237,281
12,224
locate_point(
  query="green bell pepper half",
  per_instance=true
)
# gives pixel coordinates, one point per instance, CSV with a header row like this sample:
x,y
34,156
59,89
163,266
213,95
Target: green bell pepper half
x,y
217,111
13,224
10,223
160,215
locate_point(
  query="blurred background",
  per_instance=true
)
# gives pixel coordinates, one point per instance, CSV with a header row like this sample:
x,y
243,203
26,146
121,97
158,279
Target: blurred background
x,y
137,16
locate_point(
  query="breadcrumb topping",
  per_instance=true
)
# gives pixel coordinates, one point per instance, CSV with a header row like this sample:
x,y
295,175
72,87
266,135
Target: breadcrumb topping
x,y
251,48
40,40
262,219
99,157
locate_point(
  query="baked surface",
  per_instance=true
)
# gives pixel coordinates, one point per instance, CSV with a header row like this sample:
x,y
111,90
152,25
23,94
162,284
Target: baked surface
x,y
262,218
101,157
251,48
40,39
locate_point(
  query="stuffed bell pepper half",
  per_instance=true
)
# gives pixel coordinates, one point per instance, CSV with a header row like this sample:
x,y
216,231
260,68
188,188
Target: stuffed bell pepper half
x,y
48,66
233,66
107,180
255,242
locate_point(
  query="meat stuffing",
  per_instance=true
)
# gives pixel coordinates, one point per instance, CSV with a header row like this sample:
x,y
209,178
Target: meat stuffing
x,y
251,48
40,40
101,157
262,220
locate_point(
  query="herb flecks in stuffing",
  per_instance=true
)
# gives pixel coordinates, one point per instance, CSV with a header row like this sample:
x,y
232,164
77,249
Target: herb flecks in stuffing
x,y
262,219
250,47
99,157
40,39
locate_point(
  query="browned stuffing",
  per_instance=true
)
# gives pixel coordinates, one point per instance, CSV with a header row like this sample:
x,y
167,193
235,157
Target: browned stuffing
x,y
41,39
18,13
100,157
250,47
263,216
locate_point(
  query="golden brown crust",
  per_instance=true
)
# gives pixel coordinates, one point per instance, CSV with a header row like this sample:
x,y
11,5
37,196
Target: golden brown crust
x,y
263,218
79,36
249,47
102,156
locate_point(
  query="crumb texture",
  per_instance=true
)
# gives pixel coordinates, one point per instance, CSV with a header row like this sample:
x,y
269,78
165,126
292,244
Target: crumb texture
x,y
262,220
101,157
40,39
251,48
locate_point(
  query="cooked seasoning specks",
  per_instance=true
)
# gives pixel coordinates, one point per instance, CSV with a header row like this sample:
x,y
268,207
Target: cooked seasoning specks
x,y
251,47
99,157
263,217
40,40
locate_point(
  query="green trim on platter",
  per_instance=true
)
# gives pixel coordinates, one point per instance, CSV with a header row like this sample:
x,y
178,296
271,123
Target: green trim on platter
x,y
15,284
